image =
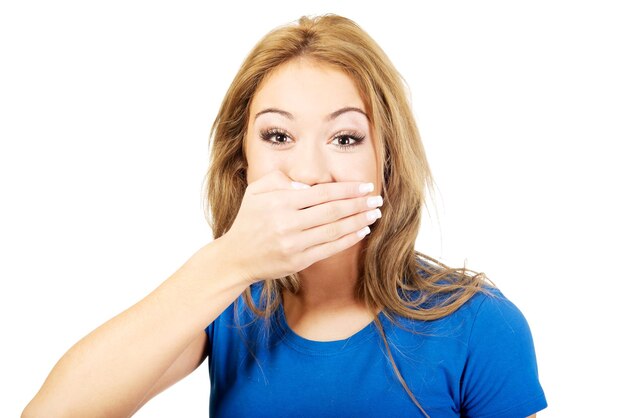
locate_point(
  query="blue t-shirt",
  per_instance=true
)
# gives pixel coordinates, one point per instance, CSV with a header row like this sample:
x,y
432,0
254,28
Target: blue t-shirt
x,y
477,362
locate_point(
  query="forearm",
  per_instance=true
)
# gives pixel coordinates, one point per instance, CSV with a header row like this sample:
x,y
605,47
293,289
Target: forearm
x,y
108,372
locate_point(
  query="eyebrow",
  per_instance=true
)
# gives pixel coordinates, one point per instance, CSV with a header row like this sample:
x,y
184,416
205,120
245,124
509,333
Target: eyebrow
x,y
328,118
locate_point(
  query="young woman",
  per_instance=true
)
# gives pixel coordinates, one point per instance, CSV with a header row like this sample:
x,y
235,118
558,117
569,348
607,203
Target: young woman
x,y
313,135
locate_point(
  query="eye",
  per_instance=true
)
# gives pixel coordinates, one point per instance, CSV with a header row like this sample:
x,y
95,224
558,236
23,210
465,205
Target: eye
x,y
281,137
347,136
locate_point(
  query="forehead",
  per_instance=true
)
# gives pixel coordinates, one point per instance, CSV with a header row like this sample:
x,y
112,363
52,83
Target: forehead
x,y
302,85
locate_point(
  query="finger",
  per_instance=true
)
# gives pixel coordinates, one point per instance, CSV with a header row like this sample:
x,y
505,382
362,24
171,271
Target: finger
x,y
326,192
333,211
332,231
322,251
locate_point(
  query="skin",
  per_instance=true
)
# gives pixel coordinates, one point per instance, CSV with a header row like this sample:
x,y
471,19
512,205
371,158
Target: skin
x,y
310,92
310,154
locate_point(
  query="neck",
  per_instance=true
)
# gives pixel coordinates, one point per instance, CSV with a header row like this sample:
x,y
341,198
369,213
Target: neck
x,y
330,283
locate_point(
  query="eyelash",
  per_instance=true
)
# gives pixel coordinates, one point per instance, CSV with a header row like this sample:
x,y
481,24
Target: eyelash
x,y
269,133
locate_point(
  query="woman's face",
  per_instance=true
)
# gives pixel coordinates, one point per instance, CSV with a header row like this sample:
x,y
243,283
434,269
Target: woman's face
x,y
308,120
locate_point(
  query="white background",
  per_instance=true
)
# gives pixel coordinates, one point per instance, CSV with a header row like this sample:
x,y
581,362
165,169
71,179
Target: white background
x,y
105,109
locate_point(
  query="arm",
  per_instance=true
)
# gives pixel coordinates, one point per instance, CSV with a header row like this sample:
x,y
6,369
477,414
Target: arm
x,y
187,362
119,366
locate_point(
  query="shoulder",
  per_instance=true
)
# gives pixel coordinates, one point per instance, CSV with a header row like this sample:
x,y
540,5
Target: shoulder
x,y
500,376
495,316
484,316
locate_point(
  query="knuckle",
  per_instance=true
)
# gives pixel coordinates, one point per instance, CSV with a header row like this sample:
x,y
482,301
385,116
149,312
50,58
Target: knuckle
x,y
331,231
288,225
323,193
281,228
331,212
287,246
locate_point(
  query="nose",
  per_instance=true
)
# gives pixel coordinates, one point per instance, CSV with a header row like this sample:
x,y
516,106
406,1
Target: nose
x,y
309,163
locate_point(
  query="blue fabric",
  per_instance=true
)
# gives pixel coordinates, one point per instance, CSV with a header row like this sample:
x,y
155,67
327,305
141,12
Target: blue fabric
x,y
477,362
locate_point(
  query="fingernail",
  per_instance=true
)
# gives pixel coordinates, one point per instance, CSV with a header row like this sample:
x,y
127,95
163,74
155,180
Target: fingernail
x,y
298,185
366,187
372,215
363,232
375,201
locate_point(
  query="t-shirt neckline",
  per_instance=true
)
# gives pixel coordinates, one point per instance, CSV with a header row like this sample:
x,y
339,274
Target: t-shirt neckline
x,y
307,346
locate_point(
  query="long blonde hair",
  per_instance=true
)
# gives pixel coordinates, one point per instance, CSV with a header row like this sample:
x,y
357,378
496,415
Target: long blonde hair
x,y
390,269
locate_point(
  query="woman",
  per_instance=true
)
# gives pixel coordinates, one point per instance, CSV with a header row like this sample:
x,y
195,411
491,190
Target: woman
x,y
355,321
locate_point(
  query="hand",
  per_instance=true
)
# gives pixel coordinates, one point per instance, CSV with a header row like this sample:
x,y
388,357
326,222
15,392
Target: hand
x,y
280,230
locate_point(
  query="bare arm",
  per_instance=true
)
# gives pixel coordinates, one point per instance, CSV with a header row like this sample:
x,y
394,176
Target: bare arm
x,y
119,366
188,361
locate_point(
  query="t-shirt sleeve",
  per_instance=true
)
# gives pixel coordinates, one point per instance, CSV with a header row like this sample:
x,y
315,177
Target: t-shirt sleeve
x,y
500,378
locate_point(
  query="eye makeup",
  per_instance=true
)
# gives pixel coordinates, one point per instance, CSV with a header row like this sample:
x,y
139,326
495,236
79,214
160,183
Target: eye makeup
x,y
268,134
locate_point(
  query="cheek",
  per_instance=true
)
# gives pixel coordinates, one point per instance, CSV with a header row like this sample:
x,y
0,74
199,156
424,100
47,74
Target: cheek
x,y
354,168
260,162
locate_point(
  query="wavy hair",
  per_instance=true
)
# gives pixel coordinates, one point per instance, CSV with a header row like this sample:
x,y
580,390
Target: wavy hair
x,y
393,277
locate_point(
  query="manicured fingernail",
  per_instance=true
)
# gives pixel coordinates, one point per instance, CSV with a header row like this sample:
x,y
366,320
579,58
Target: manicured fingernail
x,y
372,215
375,201
298,185
363,232
366,187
